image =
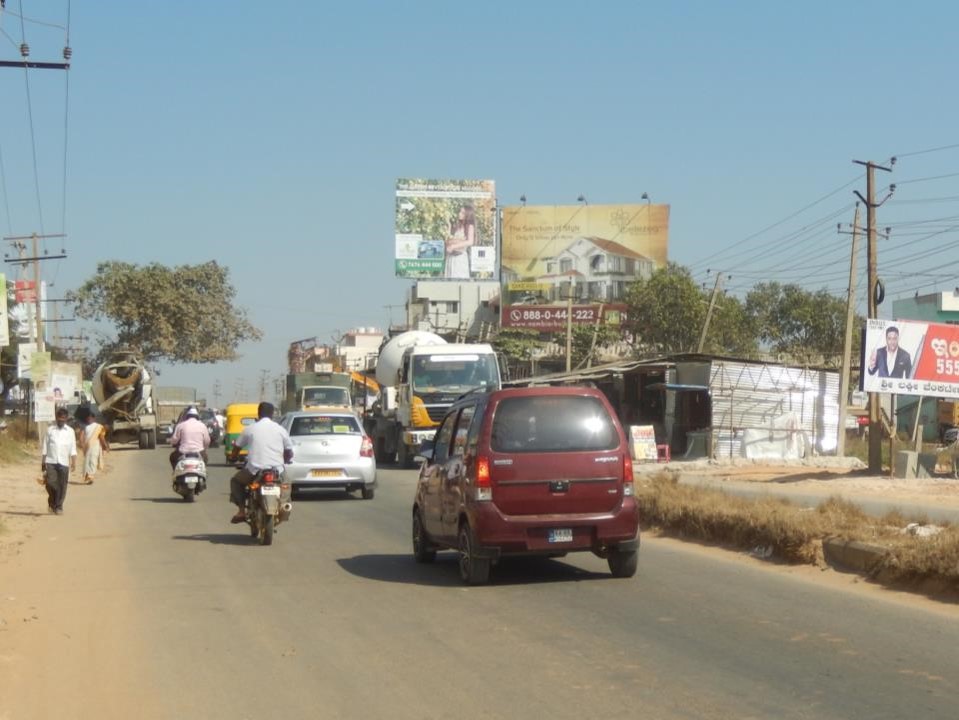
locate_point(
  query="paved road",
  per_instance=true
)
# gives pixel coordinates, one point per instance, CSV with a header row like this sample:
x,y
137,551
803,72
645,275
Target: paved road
x,y
336,621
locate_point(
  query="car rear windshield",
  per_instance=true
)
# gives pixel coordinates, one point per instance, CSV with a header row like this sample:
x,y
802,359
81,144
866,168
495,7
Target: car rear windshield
x,y
552,423
325,425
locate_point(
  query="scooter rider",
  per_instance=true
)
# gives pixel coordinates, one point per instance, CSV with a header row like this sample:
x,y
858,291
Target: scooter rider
x,y
190,436
268,446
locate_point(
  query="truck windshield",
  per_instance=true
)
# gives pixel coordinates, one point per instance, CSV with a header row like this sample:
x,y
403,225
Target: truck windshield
x,y
451,373
326,396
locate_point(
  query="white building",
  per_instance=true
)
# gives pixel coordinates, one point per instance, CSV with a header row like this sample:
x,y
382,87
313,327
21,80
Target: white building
x,y
358,348
458,309
602,270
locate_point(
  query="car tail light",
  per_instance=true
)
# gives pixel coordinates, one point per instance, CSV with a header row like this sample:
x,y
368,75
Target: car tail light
x,y
366,449
484,485
628,478
269,477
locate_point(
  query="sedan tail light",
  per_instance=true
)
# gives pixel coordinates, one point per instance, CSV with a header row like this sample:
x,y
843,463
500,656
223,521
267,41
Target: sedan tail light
x,y
366,449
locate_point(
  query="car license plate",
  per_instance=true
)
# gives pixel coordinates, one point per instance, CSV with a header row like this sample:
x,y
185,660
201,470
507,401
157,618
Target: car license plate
x,y
270,490
560,535
325,473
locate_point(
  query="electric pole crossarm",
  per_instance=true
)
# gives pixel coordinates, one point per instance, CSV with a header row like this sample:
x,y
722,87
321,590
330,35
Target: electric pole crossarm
x,y
34,65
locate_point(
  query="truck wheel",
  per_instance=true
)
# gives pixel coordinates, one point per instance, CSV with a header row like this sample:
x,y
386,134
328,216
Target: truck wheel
x,y
144,440
152,439
403,457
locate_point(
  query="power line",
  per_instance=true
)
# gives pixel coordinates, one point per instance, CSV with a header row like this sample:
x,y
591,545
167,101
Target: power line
x,y
928,150
784,220
33,140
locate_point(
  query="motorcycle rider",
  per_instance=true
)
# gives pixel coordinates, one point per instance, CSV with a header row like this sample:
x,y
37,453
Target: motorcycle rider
x,y
268,446
189,436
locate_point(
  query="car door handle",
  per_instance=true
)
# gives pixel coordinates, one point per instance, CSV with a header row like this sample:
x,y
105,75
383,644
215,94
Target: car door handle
x,y
559,486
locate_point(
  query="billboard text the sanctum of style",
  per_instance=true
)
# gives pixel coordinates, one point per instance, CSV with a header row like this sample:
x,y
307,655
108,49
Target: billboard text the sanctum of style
x,y
584,254
446,229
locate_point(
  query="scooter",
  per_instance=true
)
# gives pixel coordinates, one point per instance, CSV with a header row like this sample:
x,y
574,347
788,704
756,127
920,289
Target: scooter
x,y
189,476
268,503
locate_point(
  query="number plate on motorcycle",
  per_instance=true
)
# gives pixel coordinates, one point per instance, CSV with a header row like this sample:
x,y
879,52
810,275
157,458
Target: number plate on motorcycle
x,y
325,473
559,535
270,490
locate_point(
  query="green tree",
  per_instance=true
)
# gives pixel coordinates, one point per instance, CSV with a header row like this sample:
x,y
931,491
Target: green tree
x,y
665,313
791,319
164,312
583,345
516,344
731,330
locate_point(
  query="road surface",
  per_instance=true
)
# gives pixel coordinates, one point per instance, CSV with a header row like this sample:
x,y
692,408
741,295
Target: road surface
x,y
135,604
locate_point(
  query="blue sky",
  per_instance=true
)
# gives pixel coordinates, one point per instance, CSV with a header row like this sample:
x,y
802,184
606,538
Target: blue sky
x,y
268,136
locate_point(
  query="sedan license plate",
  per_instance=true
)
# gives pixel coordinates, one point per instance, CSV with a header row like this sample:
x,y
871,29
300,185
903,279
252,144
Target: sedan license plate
x,y
270,490
560,535
325,473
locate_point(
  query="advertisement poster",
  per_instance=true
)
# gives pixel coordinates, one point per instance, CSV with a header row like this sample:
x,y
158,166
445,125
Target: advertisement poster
x,y
446,229
907,357
587,253
4,324
40,369
44,406
25,352
642,443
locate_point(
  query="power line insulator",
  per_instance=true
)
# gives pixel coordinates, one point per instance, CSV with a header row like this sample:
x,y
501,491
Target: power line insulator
x,y
67,53
24,50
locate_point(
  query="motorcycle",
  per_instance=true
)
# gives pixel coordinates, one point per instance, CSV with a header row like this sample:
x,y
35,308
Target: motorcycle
x,y
268,503
189,476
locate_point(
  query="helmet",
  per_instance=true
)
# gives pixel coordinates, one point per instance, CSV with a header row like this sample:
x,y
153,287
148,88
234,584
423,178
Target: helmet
x,y
191,412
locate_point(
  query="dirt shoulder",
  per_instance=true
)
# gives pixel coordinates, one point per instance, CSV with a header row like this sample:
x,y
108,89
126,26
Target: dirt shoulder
x,y
849,481
67,631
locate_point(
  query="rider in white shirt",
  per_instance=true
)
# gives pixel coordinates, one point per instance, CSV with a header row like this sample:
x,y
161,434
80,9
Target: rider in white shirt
x,y
268,446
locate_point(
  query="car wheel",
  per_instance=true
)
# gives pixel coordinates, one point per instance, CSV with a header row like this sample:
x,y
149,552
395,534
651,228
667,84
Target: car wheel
x,y
368,493
623,563
422,549
474,570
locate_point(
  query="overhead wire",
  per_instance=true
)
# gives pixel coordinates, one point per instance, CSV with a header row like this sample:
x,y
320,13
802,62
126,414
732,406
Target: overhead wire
x,y
779,222
66,137
928,150
33,139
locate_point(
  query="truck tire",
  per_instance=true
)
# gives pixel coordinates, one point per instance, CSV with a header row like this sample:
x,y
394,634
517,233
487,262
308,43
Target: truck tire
x,y
152,439
144,440
403,457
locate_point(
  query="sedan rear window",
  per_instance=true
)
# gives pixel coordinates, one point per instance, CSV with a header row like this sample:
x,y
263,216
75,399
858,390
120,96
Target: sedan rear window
x,y
325,425
553,423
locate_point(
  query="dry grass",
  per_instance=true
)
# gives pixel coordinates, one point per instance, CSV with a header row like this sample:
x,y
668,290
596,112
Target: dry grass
x,y
792,533
14,448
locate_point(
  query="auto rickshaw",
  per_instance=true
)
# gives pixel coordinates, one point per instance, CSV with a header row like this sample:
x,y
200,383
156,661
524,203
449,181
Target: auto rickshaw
x,y
238,416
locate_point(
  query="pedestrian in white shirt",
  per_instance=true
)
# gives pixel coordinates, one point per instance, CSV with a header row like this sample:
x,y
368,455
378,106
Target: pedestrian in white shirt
x,y
59,457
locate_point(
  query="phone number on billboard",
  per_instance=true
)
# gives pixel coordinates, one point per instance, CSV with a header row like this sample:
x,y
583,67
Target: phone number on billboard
x,y
557,314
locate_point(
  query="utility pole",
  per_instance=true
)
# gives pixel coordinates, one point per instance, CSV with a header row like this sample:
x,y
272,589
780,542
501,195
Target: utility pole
x,y
569,323
847,341
873,298
263,376
709,313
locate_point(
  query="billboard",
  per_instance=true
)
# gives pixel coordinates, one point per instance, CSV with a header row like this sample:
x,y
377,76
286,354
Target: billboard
x,y
446,229
906,357
590,253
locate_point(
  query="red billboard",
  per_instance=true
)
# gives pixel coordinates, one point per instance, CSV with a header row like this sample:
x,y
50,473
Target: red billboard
x,y
911,358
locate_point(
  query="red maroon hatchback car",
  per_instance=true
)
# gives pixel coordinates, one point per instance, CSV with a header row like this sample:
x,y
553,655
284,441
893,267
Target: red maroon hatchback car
x,y
527,471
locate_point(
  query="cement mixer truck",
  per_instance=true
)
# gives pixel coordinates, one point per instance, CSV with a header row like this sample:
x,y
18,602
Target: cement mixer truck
x,y
420,375
123,389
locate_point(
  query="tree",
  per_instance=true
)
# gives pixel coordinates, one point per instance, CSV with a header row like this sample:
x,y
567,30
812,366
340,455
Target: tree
x,y
731,330
793,320
164,313
583,344
666,312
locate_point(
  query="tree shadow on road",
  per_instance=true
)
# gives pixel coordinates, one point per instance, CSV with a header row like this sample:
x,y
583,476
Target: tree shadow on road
x,y
219,538
445,571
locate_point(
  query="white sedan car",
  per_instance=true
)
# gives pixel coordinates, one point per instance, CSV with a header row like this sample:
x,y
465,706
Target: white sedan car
x,y
330,451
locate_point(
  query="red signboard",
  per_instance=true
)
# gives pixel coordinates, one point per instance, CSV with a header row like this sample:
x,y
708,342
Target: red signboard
x,y
553,317
25,291
913,358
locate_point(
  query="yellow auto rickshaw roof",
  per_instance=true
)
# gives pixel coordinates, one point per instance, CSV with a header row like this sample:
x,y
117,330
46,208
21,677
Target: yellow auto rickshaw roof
x,y
246,409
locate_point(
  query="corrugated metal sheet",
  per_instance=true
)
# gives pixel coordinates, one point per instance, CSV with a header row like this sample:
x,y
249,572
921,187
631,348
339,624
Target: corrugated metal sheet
x,y
749,395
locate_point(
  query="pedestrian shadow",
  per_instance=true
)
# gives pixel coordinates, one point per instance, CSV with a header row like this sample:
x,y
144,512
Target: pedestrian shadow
x,y
219,538
25,513
444,572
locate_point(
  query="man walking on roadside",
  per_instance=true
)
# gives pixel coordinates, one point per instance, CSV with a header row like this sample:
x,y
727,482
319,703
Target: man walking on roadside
x,y
59,457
